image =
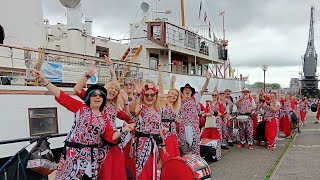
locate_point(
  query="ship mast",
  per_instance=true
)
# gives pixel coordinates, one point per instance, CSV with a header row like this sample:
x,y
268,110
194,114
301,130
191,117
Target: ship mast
x,y
182,12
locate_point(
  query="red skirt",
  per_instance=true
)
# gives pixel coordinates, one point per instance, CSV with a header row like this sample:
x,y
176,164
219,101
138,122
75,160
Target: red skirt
x,y
113,167
286,126
147,171
172,147
271,131
202,122
255,124
210,133
129,161
302,116
318,114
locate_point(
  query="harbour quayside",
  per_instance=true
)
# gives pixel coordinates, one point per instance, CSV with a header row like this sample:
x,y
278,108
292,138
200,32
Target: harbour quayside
x,y
63,52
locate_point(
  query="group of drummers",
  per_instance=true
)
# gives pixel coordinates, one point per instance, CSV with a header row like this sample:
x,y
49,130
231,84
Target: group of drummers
x,y
275,114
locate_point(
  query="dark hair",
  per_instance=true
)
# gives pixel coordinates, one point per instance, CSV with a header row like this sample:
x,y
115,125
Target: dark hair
x,y
91,90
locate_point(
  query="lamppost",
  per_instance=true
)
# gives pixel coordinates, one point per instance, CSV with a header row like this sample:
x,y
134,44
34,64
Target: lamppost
x,y
264,67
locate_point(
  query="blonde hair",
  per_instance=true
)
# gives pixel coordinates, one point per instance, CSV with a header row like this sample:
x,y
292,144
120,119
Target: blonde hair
x,y
117,100
176,105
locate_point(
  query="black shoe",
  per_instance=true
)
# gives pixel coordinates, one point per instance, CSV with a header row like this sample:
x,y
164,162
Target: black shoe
x,y
224,147
230,144
316,122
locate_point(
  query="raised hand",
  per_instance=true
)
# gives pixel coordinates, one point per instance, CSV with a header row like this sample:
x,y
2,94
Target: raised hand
x,y
39,75
108,60
160,66
173,78
91,70
124,95
208,75
138,86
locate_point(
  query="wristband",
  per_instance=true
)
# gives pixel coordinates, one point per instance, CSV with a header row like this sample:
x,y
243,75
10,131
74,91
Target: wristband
x,y
87,76
126,104
47,83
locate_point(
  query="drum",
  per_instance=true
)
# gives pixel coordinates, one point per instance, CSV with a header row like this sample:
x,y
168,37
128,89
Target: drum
x,y
210,149
314,107
186,167
242,118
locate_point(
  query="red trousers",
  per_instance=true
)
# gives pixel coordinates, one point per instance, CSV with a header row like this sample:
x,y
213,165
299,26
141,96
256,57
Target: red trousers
x,y
255,124
286,125
302,116
271,131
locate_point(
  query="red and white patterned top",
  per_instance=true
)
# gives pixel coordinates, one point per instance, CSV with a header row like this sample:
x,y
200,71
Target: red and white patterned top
x,y
168,113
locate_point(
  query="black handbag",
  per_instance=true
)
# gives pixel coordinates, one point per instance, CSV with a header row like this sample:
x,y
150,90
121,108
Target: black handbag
x,y
41,159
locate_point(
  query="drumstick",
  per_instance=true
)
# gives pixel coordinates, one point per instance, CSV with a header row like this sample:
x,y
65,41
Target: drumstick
x,y
39,64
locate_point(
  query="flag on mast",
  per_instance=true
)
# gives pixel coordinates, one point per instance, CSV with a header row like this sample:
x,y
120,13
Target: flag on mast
x,y
200,10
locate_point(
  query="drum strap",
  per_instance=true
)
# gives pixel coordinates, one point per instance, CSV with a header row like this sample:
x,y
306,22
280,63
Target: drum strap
x,y
79,146
155,137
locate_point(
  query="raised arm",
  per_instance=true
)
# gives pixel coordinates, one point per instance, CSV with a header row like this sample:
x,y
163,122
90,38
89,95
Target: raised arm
x,y
160,80
109,62
52,88
173,81
205,85
125,106
64,99
161,98
82,83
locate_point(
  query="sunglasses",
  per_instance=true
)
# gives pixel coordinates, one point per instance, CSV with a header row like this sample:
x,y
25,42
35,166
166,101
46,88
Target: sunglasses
x,y
97,95
214,95
150,95
128,84
245,92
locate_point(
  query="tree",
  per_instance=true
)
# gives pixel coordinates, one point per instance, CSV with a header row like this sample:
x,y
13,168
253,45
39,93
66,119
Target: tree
x,y
268,85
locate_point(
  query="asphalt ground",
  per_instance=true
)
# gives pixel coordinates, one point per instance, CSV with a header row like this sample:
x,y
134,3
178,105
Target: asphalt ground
x,y
246,164
302,161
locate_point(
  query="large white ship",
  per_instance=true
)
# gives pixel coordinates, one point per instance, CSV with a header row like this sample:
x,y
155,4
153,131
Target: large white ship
x,y
66,50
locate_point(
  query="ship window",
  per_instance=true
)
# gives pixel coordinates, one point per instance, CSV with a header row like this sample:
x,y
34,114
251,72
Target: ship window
x,y
1,34
102,51
193,68
185,67
153,61
199,69
43,121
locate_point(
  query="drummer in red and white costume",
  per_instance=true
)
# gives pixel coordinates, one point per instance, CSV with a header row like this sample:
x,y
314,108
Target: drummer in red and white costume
x,y
285,122
189,132
228,103
245,107
271,110
254,115
303,109
216,108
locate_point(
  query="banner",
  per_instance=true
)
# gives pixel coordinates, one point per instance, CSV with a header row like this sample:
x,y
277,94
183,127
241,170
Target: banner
x,y
52,71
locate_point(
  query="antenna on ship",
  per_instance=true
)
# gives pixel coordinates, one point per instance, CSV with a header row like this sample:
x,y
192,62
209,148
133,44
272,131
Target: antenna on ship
x,y
182,13
145,8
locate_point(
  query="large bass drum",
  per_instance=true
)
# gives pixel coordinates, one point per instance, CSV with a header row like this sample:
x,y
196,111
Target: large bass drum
x,y
186,167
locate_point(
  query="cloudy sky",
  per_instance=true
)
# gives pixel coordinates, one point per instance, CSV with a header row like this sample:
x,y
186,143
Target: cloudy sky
x,y
272,32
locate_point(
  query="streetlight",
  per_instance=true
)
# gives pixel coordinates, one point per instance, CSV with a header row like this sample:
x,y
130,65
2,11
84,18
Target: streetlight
x,y
264,67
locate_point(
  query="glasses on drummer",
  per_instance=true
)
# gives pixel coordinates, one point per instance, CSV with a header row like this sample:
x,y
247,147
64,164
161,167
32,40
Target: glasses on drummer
x,y
150,95
128,84
214,95
96,95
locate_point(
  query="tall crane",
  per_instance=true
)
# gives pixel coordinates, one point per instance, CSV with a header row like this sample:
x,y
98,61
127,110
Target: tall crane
x,y
309,80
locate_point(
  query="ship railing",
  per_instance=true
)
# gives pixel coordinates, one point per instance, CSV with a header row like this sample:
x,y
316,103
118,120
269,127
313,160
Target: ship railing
x,y
187,39
58,66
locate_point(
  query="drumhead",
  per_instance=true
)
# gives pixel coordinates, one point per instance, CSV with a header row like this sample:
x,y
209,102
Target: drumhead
x,y
177,169
187,167
242,118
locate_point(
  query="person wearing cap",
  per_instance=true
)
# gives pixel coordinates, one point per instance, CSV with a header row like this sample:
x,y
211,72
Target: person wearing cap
x,y
228,103
81,157
189,132
245,106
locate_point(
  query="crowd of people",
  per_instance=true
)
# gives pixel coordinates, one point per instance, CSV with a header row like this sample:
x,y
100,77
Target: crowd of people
x,y
158,126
